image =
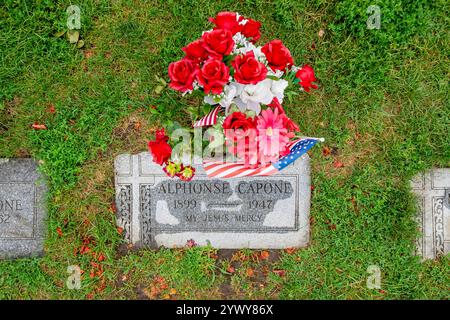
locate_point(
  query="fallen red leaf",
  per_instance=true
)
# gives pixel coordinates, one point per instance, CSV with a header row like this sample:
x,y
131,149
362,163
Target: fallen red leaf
x,y
326,151
120,230
37,126
59,232
101,257
280,273
291,250
51,109
250,272
338,164
264,255
231,269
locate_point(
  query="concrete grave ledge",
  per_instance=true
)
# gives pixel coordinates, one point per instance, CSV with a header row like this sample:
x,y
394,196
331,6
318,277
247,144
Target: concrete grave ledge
x,y
22,209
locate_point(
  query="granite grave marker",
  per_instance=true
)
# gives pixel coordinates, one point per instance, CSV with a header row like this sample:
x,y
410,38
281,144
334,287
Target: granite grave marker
x,y
251,212
22,209
432,189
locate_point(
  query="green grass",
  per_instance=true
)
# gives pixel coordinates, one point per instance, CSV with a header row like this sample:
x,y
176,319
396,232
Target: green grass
x,y
382,106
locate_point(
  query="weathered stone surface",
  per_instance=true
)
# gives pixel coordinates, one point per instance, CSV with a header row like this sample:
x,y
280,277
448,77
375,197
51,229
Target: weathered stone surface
x,y
22,209
433,194
252,212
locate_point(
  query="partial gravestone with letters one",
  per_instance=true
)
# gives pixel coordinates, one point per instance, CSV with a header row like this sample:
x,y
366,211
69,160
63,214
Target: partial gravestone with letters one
x,y
432,189
22,209
250,212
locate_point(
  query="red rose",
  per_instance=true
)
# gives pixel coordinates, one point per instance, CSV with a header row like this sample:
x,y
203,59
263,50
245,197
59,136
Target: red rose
x,y
159,148
195,51
226,21
213,76
288,123
306,77
160,135
182,74
278,56
248,70
276,105
241,133
239,121
251,30
218,42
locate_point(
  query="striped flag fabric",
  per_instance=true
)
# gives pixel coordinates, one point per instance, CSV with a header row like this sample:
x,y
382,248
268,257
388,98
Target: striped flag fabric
x,y
208,120
219,169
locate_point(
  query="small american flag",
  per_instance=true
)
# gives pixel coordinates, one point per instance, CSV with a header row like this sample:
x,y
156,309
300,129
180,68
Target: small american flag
x,y
208,120
219,169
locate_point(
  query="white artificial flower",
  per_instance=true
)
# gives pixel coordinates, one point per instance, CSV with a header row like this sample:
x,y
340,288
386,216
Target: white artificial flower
x,y
225,99
253,95
276,73
230,91
259,55
295,69
277,88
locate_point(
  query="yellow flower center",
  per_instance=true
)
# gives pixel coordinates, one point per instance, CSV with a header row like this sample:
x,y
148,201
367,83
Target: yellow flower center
x,y
269,131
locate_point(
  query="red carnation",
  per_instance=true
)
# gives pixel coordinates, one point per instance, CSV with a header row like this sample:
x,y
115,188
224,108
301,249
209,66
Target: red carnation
x,y
227,21
218,42
182,74
213,76
278,56
251,30
306,77
195,51
159,148
248,70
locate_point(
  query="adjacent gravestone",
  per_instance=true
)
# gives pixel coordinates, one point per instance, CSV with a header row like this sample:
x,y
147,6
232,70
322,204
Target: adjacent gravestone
x,y
433,193
22,209
251,212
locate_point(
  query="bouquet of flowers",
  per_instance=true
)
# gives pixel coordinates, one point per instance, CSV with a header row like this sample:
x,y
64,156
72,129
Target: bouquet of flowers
x,y
244,85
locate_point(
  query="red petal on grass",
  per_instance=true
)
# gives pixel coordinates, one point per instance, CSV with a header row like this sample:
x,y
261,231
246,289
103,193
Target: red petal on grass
x,y
326,151
281,273
59,232
264,255
37,126
338,164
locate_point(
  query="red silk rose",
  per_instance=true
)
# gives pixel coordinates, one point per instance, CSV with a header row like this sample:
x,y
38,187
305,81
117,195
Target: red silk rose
x,y
306,77
248,70
288,123
251,30
218,42
195,51
159,148
241,133
226,21
182,74
278,56
213,76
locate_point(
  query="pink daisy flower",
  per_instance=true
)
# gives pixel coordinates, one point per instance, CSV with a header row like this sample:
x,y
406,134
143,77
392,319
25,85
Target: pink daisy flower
x,y
272,135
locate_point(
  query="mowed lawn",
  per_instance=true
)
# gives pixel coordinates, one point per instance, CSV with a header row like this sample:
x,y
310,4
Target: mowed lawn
x,y
382,106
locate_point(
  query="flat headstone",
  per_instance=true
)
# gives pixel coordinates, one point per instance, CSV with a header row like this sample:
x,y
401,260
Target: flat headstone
x,y
250,212
432,189
22,209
